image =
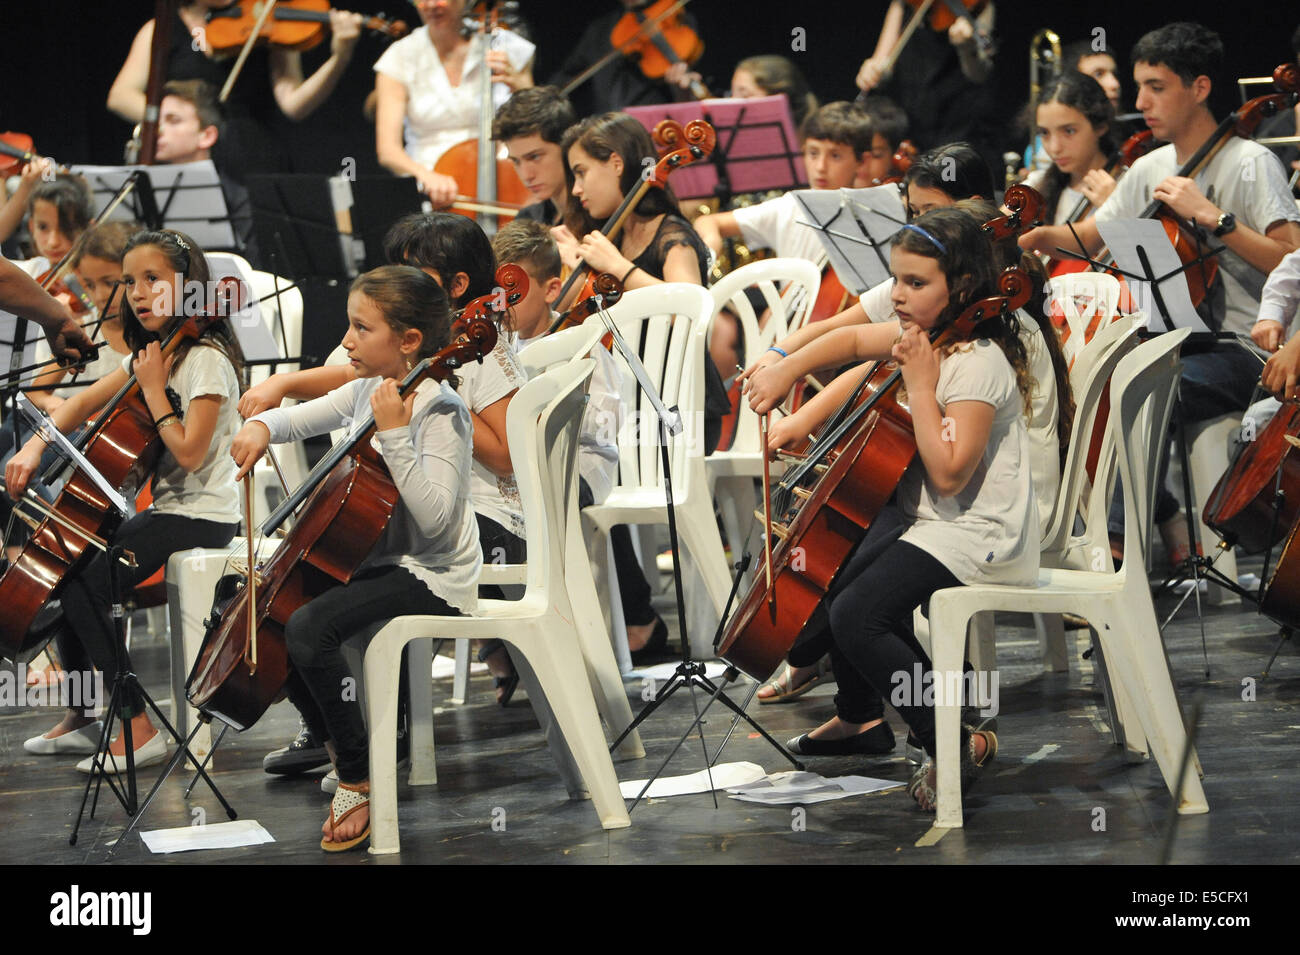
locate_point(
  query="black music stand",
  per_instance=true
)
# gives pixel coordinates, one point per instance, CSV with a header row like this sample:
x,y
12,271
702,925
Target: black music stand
x,y
690,673
127,680
376,202
295,225
186,196
1144,244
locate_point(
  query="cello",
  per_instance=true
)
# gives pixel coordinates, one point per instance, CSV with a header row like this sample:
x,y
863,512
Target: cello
x,y
830,496
123,445
491,185
349,497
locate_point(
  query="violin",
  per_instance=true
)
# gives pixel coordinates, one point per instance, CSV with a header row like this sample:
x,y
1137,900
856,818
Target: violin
x,y
656,38
243,663
941,16
829,497
123,445
493,187
290,25
15,153
683,146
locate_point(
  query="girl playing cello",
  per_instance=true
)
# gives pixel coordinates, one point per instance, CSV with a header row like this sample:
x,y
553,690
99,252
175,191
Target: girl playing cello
x,y
428,560
964,511
195,502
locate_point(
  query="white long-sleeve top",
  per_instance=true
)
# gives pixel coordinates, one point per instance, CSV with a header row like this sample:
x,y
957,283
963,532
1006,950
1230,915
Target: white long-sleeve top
x,y
1280,299
432,532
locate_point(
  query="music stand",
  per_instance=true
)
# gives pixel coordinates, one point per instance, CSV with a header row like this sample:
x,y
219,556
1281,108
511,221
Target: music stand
x,y
1144,254
366,207
855,227
186,196
758,148
293,215
690,673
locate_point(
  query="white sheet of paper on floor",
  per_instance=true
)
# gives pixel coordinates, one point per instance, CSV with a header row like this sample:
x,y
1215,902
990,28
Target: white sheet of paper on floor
x,y
780,789
664,671
725,776
444,668
219,835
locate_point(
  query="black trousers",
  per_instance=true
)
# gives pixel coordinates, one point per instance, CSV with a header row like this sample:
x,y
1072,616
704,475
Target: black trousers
x,y
324,688
874,646
86,598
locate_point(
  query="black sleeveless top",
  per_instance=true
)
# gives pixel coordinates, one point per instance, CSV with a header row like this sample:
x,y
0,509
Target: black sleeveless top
x,y
674,231
246,143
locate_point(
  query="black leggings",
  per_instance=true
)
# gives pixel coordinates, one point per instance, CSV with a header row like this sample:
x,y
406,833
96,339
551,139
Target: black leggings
x,y
152,537
874,646
323,688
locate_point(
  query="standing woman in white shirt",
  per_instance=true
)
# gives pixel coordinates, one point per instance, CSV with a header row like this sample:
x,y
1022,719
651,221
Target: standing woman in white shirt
x,y
428,98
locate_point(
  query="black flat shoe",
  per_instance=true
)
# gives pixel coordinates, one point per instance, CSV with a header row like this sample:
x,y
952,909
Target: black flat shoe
x,y
506,686
655,647
877,741
301,756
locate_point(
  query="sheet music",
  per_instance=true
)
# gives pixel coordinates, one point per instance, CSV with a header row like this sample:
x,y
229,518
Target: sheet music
x,y
856,227
1124,237
189,197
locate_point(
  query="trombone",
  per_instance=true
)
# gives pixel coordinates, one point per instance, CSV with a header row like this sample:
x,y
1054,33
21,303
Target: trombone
x,y
1044,53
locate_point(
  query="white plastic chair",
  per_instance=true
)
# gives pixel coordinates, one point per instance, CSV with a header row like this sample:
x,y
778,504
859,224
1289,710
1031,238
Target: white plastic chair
x,y
539,627
732,472
1082,296
674,318
1208,459
1116,603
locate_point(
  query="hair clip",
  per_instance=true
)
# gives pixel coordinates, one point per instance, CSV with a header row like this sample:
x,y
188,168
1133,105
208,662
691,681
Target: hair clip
x,y
176,237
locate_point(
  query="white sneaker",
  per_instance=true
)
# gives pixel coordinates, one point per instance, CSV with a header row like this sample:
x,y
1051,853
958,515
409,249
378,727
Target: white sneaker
x,y
329,783
82,741
147,754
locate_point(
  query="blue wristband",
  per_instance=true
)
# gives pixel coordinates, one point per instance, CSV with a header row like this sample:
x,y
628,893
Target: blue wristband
x,y
779,351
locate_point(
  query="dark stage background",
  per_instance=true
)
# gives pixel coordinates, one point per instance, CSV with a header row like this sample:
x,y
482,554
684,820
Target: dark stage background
x,y
62,57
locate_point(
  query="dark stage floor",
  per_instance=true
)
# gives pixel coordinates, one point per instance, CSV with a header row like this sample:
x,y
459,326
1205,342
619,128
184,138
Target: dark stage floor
x,y
1055,768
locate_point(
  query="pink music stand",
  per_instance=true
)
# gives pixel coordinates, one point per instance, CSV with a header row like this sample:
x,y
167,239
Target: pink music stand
x,y
757,148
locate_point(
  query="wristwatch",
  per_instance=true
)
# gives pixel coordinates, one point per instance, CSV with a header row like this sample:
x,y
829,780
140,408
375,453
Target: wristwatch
x,y
1227,222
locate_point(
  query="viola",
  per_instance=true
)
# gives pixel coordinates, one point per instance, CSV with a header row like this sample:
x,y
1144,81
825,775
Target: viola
x,y
831,495
290,25
243,664
123,445
491,185
684,146
656,38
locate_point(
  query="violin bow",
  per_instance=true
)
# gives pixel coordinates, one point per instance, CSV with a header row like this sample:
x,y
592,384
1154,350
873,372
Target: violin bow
x,y
250,648
247,49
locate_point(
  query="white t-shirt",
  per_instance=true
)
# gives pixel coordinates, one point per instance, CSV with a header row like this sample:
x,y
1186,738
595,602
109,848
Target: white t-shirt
x,y
988,533
432,532
482,384
1065,203
774,225
439,115
601,421
878,302
1244,178
209,492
